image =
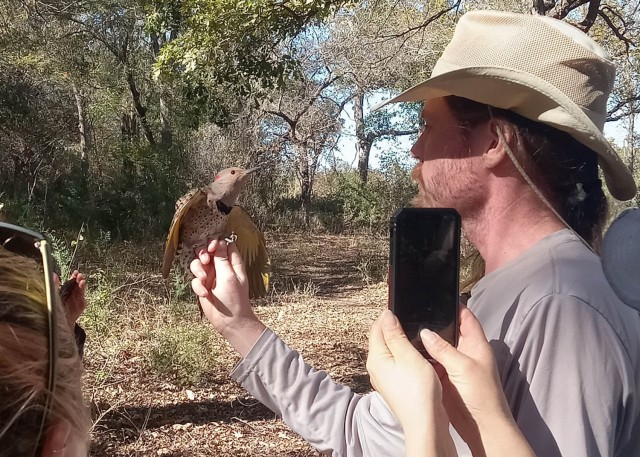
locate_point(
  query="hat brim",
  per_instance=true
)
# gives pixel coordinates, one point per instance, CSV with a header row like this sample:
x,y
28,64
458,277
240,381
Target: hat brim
x,y
534,99
621,257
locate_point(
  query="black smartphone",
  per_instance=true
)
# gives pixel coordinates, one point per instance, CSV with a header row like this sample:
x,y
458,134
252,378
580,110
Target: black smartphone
x,y
424,272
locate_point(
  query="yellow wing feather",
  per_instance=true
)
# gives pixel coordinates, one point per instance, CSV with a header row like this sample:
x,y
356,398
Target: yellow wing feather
x,y
173,238
253,250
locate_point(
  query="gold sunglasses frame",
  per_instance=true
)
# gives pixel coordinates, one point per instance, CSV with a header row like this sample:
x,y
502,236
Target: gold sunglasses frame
x,y
43,247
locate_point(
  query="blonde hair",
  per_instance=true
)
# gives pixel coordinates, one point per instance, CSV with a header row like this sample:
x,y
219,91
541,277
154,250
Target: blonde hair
x,y
24,362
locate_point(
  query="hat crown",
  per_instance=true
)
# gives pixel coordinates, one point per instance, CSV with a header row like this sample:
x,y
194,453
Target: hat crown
x,y
546,48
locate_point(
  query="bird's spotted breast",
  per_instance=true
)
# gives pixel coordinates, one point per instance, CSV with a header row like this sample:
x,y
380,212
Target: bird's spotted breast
x,y
200,225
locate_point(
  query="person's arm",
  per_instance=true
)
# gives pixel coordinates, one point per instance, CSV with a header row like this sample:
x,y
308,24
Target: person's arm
x,y
72,296
221,285
328,415
473,397
410,386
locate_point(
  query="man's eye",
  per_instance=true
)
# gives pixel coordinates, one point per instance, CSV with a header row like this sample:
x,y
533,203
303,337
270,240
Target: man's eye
x,y
422,124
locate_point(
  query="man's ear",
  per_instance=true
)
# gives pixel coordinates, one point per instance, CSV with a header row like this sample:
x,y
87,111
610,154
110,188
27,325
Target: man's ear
x,y
56,438
496,153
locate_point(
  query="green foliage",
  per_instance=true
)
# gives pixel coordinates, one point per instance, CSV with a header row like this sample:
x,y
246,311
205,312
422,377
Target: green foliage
x,y
64,252
133,201
182,352
141,201
232,42
100,316
360,206
399,117
343,203
180,288
370,205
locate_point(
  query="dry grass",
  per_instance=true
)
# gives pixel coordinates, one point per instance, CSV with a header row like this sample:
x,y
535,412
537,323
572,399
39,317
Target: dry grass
x,y
157,376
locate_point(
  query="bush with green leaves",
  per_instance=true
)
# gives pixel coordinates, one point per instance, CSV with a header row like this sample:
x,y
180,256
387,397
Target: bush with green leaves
x,y
182,352
369,205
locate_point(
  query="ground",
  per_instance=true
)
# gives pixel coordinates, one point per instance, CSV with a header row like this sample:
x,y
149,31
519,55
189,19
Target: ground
x,y
326,291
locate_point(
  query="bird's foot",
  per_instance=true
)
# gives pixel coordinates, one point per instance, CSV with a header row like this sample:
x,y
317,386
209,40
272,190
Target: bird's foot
x,y
231,238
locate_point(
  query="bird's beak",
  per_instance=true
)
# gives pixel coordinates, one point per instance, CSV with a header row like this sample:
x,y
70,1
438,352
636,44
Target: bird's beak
x,y
251,170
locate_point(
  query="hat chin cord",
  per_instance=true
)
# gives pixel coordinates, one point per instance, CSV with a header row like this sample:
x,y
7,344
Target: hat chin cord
x,y
529,181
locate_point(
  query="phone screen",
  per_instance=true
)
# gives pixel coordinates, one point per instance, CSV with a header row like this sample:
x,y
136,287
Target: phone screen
x,y
424,271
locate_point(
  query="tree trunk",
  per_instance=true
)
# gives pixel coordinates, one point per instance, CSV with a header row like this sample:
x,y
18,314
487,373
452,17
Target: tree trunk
x,y
82,124
363,143
166,134
306,184
141,110
128,127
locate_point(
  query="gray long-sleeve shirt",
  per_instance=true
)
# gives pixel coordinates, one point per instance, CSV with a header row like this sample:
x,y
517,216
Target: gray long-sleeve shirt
x,y
568,353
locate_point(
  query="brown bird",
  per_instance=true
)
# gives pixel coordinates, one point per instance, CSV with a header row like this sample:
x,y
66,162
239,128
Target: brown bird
x,y
209,213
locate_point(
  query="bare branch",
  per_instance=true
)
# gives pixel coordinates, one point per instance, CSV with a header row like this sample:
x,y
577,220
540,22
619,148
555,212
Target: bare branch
x,y
390,132
427,21
627,41
330,80
566,7
590,18
612,116
284,117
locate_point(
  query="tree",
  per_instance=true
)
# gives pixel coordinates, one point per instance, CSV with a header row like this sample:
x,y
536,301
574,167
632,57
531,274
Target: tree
x,y
234,43
398,42
303,119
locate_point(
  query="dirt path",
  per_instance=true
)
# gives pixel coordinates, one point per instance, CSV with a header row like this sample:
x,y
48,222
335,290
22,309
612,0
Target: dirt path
x,y
325,296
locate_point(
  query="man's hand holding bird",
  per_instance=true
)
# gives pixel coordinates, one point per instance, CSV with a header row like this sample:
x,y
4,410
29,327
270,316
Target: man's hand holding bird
x,y
210,213
220,282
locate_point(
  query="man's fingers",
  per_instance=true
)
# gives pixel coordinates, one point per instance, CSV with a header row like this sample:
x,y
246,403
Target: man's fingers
x,y
199,288
237,263
220,250
203,256
204,253
197,269
221,259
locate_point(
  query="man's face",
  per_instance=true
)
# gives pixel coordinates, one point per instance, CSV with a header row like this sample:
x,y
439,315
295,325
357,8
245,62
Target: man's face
x,y
449,157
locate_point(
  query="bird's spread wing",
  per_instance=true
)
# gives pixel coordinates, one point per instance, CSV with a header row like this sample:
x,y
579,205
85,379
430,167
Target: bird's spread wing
x,y
183,205
253,250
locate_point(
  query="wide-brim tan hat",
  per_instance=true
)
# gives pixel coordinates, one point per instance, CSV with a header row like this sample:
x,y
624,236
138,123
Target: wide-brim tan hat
x,y
541,68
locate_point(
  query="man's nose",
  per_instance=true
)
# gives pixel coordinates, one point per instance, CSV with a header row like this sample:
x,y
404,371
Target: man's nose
x,y
417,150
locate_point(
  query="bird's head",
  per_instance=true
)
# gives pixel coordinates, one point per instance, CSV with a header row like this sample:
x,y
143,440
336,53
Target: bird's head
x,y
228,184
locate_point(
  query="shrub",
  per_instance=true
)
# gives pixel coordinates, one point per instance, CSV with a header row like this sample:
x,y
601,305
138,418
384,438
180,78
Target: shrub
x,y
183,352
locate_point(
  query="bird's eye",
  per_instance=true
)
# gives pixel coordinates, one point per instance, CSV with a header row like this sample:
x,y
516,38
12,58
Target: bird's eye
x,y
233,172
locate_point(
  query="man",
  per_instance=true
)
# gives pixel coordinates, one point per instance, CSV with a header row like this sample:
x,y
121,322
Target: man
x,y
514,113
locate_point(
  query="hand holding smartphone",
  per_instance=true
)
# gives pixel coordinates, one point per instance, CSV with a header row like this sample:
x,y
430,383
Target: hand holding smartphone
x,y
424,272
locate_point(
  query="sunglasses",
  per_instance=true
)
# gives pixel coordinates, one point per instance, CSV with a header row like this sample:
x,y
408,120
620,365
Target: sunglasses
x,y
34,245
